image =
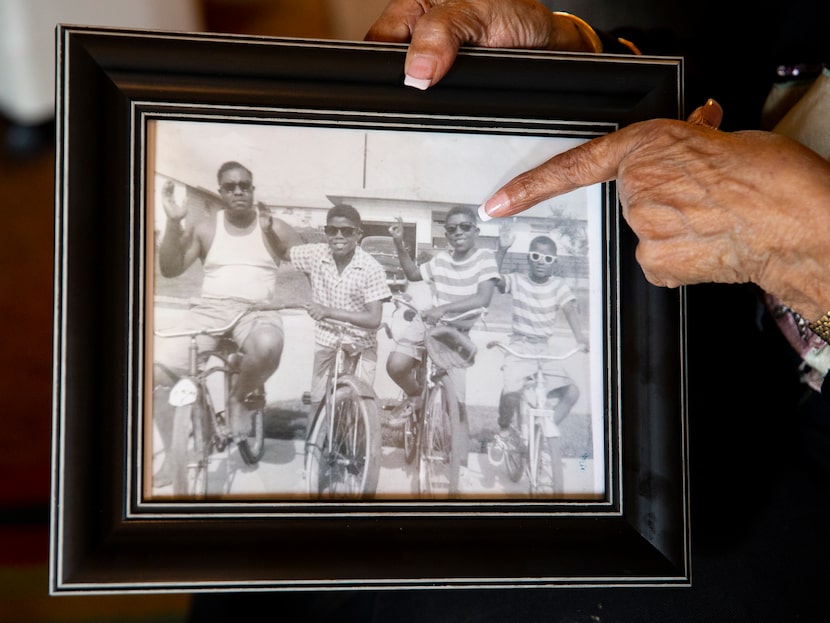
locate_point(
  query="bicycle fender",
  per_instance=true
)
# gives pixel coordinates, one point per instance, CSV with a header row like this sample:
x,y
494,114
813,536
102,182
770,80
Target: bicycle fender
x,y
361,387
184,392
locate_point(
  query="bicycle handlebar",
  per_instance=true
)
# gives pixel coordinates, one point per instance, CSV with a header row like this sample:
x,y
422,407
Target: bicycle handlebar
x,y
444,319
510,351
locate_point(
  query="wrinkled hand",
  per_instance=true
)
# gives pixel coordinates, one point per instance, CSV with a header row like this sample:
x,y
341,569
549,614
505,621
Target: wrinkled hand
x,y
174,211
437,29
706,206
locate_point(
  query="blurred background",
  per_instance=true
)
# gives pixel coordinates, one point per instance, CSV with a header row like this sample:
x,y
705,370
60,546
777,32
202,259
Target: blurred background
x,y
760,538
27,66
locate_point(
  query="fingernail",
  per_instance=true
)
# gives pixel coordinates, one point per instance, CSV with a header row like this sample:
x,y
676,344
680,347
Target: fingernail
x,y
494,207
419,83
419,71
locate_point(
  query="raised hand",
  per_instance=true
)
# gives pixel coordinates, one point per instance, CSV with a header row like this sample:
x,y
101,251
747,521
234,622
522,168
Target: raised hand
x,y
266,221
396,230
506,235
173,210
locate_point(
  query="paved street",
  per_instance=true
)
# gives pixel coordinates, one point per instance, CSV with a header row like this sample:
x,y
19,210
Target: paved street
x,y
280,474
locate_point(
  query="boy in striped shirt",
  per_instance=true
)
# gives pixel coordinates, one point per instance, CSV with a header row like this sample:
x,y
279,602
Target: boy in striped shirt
x,y
538,298
461,279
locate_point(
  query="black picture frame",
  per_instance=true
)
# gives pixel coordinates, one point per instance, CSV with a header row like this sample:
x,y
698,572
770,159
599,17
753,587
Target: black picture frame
x,y
105,539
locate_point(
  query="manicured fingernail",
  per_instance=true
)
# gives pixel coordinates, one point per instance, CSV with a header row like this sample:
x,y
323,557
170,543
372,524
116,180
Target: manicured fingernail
x,y
496,206
419,71
419,83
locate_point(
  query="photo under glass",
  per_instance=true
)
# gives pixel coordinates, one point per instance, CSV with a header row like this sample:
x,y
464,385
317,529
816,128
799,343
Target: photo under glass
x,y
510,397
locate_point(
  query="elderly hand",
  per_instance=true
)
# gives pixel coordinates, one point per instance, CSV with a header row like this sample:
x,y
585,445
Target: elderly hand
x,y
436,29
706,206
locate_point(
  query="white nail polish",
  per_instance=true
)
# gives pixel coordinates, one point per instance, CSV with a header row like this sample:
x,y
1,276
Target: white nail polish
x,y
482,215
418,83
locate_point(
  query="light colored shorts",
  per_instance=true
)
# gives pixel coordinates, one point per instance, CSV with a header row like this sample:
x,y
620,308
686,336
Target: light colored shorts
x,y
173,352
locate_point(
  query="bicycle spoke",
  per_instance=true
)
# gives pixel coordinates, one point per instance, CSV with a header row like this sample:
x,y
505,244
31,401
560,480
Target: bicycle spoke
x,y
344,456
439,463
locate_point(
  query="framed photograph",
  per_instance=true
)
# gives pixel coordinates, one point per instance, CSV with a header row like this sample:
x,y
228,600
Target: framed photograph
x,y
290,356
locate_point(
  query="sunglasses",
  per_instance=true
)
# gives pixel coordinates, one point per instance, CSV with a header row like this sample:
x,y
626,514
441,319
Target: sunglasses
x,y
541,257
346,231
229,187
465,227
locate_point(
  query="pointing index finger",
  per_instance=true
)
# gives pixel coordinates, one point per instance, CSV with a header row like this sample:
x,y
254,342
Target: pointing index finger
x,y
593,162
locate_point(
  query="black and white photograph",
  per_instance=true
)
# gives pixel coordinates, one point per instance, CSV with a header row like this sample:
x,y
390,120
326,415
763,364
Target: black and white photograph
x,y
313,335
332,319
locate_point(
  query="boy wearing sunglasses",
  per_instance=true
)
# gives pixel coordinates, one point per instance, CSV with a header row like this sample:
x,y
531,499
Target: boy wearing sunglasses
x,y
538,298
461,279
347,285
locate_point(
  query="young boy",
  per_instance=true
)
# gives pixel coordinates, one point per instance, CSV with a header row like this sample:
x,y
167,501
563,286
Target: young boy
x,y
461,279
538,297
348,285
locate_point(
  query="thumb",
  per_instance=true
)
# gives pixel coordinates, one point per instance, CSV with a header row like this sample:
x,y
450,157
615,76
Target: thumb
x,y
710,114
591,163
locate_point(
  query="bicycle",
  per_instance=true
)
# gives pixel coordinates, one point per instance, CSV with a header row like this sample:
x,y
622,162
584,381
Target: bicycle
x,y
521,451
200,429
343,446
438,437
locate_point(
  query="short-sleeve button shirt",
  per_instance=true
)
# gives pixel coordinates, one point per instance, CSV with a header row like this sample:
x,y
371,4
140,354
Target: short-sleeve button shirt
x,y
362,281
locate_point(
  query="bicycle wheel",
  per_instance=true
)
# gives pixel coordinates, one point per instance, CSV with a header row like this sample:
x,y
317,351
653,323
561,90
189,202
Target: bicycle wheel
x,y
189,451
440,459
514,456
557,477
410,437
539,476
345,445
252,447
411,426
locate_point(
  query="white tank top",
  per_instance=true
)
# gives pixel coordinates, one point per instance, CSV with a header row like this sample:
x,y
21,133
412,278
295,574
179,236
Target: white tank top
x,y
238,267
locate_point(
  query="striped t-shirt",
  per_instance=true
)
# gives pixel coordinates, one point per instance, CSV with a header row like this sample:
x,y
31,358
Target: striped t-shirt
x,y
452,280
535,305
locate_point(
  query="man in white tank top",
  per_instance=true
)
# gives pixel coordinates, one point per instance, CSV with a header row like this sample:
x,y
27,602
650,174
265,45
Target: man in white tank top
x,y
239,270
